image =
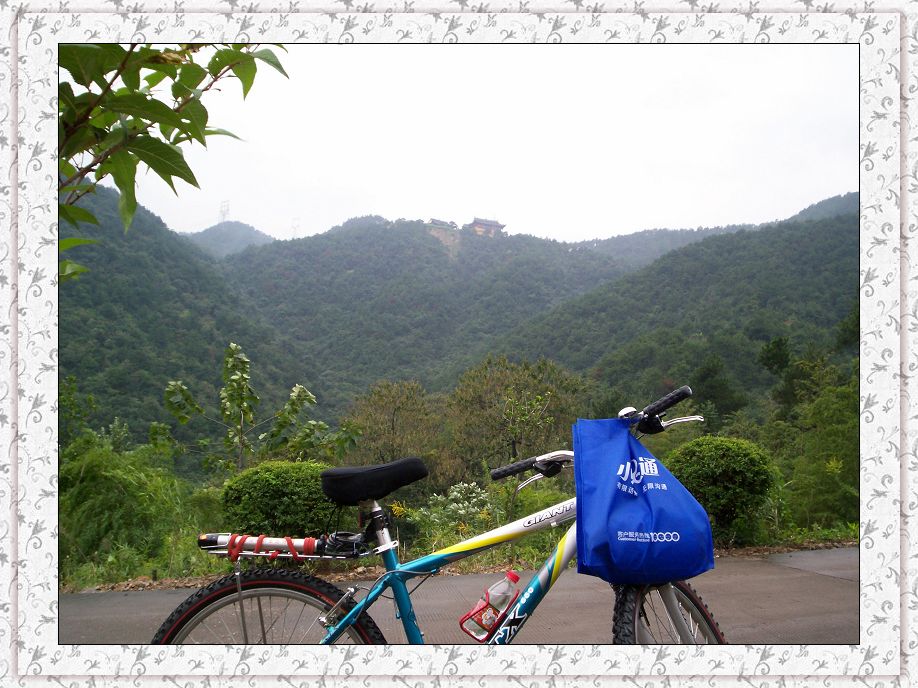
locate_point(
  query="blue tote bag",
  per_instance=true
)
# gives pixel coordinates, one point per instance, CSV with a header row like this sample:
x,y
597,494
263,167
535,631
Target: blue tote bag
x,y
635,522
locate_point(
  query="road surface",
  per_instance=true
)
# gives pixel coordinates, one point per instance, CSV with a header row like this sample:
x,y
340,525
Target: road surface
x,y
809,597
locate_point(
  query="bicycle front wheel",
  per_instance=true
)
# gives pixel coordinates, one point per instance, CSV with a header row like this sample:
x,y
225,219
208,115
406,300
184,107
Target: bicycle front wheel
x,y
668,614
276,606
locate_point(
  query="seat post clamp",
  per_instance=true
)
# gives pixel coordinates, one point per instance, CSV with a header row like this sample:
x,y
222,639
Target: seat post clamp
x,y
392,544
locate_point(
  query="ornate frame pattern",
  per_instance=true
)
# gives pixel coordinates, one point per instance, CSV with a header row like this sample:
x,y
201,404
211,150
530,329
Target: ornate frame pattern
x,y
887,34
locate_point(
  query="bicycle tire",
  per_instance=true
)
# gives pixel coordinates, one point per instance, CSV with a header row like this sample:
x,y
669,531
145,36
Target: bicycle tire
x,y
640,617
212,616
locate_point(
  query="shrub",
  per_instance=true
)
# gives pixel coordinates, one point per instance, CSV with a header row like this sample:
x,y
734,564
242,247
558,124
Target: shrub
x,y
468,510
116,508
732,479
109,498
278,498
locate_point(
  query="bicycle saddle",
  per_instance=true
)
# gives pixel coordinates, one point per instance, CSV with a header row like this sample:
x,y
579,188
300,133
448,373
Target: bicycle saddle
x,y
349,485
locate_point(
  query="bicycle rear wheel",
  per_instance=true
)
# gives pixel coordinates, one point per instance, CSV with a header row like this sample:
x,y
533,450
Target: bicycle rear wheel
x,y
277,606
667,614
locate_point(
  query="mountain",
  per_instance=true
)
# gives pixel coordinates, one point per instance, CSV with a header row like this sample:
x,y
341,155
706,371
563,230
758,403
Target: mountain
x,y
375,299
638,249
844,204
228,237
154,308
712,303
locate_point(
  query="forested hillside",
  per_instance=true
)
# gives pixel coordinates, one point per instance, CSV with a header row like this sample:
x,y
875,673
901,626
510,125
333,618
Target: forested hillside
x,y
642,248
706,310
153,308
228,237
845,204
375,299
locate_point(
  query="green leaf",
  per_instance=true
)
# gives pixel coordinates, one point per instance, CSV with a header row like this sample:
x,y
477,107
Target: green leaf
x,y
122,166
190,76
66,168
154,79
196,114
82,139
69,243
179,402
165,68
131,77
74,215
68,270
104,118
90,63
221,132
245,71
167,161
89,186
144,108
84,61
268,57
66,102
225,58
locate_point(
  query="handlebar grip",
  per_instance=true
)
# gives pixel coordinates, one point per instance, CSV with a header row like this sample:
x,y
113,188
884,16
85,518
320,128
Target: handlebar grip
x,y
512,469
671,399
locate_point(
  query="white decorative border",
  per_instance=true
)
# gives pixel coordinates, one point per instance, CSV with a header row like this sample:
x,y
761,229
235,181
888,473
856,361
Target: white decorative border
x,y
28,639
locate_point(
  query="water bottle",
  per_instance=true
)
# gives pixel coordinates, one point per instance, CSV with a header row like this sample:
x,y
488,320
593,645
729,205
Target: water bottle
x,y
486,616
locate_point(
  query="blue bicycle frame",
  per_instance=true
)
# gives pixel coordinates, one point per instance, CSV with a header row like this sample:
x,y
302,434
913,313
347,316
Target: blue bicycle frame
x,y
397,574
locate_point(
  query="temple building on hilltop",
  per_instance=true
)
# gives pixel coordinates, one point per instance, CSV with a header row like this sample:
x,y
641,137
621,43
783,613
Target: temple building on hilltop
x,y
483,227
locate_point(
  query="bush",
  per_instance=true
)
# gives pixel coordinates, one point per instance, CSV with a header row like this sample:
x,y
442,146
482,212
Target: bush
x,y
110,499
732,479
468,510
278,498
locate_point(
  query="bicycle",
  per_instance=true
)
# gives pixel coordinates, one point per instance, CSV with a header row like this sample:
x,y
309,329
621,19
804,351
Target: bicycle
x,y
277,605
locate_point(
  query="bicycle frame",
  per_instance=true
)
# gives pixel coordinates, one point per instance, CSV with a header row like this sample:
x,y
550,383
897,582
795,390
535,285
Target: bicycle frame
x,y
398,573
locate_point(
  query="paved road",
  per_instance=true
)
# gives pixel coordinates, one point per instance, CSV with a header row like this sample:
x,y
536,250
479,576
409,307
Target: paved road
x,y
797,598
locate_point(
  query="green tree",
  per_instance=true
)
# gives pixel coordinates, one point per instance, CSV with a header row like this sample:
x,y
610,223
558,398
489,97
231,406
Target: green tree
x,y
825,485
713,385
394,420
75,410
500,411
290,432
123,106
775,356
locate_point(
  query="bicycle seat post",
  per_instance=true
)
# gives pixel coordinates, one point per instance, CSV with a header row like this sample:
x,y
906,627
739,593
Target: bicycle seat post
x,y
386,546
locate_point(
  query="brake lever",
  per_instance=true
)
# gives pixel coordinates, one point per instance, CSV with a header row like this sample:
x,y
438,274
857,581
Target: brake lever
x,y
683,419
545,469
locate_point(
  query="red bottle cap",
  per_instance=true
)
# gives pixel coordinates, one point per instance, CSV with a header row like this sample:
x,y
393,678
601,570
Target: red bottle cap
x,y
513,577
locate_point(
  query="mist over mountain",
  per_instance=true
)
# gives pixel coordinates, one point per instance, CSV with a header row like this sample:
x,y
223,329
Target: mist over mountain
x,y
228,237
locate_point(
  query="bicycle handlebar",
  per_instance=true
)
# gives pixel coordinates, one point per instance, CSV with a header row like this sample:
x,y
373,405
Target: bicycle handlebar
x,y
671,399
513,468
649,423
547,464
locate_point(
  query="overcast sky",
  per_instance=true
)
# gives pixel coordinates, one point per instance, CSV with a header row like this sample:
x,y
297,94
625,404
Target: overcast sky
x,y
569,141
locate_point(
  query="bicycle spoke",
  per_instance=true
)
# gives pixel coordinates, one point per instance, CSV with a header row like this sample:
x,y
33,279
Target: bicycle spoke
x,y
261,621
667,615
